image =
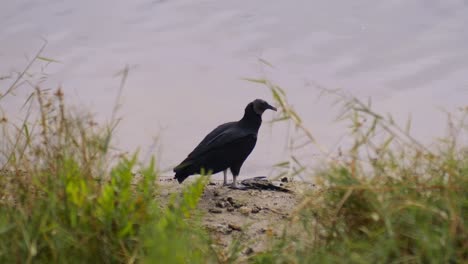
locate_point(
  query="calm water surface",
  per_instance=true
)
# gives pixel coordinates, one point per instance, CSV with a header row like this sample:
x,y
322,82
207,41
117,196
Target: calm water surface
x,y
188,58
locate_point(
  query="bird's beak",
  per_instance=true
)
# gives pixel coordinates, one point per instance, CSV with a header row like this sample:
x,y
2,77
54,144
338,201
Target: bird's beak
x,y
272,108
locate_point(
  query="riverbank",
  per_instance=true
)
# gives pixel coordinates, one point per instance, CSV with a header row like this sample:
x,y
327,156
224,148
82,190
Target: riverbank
x,y
67,196
250,218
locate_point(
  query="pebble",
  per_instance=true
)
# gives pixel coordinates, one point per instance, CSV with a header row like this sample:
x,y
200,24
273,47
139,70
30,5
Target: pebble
x,y
223,229
255,210
235,227
249,251
233,202
215,211
221,204
244,210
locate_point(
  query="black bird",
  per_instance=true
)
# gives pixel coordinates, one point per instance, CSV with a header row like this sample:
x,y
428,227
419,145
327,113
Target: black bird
x,y
226,147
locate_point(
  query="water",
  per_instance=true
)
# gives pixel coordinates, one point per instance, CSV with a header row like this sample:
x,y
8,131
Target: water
x,y
188,58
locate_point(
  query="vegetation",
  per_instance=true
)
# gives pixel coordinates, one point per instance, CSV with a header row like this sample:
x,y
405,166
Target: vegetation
x,y
387,199
66,197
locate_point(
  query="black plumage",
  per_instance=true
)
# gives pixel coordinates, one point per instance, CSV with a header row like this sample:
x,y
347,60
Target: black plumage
x,y
227,146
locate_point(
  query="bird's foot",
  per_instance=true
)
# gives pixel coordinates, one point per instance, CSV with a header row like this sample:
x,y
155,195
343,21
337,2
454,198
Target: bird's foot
x,y
238,187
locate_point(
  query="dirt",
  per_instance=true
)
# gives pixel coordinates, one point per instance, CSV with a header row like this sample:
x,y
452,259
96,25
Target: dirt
x,y
250,216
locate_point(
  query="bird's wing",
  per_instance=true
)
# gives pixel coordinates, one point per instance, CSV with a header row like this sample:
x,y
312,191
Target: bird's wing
x,y
227,134
213,134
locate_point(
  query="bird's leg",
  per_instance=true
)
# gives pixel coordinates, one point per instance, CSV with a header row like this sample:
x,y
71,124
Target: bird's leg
x,y
234,184
235,172
225,177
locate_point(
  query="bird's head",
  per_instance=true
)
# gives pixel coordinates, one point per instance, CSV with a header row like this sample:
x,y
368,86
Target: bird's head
x,y
259,106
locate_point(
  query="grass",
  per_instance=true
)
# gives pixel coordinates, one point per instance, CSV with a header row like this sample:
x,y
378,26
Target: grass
x,y
386,199
60,204
67,197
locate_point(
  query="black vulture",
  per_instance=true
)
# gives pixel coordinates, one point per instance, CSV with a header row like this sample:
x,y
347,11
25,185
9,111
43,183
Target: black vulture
x,y
226,147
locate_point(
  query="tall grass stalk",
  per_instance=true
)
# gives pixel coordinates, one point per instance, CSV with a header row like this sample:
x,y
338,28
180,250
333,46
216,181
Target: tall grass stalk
x,y
387,198
64,198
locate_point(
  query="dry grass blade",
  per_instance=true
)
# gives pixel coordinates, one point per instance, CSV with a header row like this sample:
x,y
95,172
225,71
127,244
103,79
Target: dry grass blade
x,y
25,70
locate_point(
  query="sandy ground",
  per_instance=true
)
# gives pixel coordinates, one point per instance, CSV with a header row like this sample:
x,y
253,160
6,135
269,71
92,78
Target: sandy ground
x,y
250,216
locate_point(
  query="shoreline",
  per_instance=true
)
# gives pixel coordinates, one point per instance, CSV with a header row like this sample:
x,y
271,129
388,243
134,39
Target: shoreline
x,y
252,217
